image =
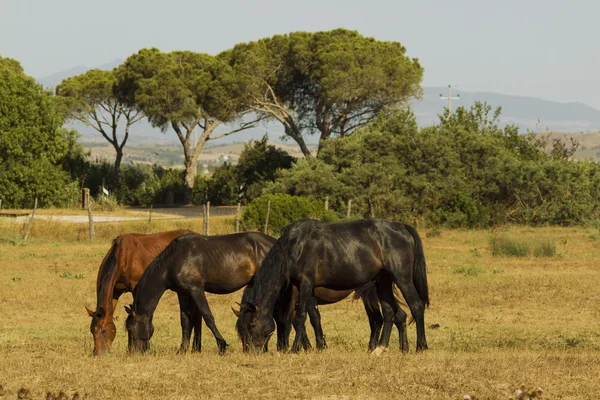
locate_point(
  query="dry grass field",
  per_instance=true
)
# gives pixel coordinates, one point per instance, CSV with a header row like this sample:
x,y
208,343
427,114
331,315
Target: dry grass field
x,y
503,322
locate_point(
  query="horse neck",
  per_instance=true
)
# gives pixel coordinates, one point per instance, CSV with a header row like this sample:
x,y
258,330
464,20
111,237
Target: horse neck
x,y
148,292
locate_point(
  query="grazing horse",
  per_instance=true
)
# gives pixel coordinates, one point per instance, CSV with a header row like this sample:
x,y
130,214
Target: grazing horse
x,y
193,265
339,256
120,271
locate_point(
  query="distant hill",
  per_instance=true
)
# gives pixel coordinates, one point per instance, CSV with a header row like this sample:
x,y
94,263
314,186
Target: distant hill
x,y
171,155
528,113
53,80
589,143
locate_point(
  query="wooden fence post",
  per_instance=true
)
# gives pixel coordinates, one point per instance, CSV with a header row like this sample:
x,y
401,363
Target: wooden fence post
x,y
149,226
206,217
267,218
326,203
28,231
349,208
237,218
85,198
0,204
91,219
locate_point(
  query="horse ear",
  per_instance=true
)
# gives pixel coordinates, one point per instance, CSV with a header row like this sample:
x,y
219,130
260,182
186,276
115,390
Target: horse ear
x,y
101,312
90,312
236,312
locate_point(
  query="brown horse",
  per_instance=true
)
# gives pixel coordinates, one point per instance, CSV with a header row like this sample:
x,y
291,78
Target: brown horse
x,y
120,271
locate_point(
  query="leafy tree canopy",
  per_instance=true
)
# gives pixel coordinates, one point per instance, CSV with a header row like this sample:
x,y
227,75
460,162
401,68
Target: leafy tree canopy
x,y
182,90
91,99
329,83
467,171
32,143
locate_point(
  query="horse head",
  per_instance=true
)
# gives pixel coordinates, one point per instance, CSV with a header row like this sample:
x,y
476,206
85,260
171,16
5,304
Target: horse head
x,y
254,329
139,331
103,330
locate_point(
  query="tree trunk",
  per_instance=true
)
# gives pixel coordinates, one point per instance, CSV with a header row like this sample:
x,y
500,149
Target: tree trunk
x,y
118,166
322,141
190,179
297,136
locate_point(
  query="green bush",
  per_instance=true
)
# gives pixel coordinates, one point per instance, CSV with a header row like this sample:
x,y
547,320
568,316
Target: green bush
x,y
285,209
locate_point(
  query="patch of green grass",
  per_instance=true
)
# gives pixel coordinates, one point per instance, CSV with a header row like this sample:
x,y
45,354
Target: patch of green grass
x,y
435,232
467,271
544,249
509,247
505,246
572,342
70,275
16,278
498,270
475,252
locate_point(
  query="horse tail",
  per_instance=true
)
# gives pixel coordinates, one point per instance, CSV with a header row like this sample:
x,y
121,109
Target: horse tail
x,y
419,267
368,294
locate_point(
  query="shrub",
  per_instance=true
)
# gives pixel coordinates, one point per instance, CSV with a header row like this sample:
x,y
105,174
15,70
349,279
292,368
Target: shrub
x,y
285,209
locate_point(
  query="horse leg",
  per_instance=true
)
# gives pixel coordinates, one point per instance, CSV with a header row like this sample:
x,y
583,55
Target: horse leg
x,y
409,291
388,307
285,313
315,321
400,322
185,315
304,294
199,297
371,303
197,325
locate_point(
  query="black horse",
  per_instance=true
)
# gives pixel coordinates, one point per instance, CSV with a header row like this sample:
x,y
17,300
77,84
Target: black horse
x,y
337,256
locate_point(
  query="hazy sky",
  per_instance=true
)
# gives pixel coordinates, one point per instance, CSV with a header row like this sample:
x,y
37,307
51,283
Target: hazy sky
x,y
538,48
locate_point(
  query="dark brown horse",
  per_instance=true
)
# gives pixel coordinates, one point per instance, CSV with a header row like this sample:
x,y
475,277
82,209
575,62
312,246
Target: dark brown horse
x,y
340,256
193,264
120,271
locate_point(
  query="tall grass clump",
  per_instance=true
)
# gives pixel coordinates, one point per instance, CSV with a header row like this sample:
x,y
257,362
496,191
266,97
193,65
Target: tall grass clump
x,y
505,246
510,247
544,249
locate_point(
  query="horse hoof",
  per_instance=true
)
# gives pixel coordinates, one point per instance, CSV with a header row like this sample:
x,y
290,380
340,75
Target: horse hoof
x,y
379,351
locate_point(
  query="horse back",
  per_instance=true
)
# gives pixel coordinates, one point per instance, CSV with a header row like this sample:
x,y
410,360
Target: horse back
x,y
348,254
136,251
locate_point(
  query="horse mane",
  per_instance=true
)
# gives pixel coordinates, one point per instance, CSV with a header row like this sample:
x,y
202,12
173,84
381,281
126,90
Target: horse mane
x,y
106,271
274,272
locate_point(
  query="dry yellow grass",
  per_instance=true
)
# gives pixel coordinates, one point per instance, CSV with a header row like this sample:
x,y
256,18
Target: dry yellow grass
x,y
503,322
